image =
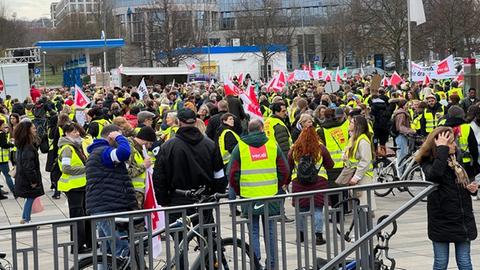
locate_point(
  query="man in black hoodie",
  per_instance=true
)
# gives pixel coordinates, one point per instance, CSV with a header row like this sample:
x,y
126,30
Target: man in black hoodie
x,y
186,162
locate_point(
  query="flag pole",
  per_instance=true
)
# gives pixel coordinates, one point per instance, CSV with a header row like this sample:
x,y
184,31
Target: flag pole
x,y
409,43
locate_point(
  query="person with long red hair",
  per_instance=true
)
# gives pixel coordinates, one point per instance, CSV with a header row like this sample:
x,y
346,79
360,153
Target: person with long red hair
x,y
309,151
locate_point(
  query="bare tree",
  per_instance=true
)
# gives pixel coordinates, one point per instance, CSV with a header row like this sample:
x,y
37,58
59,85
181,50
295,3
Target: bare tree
x,y
265,23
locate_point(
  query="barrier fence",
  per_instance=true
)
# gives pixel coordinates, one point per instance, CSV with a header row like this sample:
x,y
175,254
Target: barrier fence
x,y
211,236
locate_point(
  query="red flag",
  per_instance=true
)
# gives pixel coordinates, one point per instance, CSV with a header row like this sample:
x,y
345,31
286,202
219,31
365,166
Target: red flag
x,y
230,88
328,77
338,78
250,104
385,81
279,82
395,79
158,217
270,84
460,76
81,100
291,77
240,78
426,81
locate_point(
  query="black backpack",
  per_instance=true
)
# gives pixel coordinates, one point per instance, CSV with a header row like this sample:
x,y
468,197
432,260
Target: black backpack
x,y
307,173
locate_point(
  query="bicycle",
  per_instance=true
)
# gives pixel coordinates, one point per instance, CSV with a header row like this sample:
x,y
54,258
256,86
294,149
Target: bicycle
x,y
227,244
4,263
406,169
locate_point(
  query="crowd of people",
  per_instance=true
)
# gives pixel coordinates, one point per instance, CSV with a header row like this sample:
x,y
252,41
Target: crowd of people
x,y
193,135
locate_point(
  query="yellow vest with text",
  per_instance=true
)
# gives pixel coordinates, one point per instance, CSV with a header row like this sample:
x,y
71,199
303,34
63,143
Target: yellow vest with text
x,y
221,143
67,181
269,127
336,139
354,162
463,142
258,170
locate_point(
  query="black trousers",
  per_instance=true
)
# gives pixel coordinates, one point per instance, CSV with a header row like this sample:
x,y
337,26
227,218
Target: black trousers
x,y
76,208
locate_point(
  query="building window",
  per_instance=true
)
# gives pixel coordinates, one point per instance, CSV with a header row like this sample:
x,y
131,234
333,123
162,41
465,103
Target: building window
x,y
309,49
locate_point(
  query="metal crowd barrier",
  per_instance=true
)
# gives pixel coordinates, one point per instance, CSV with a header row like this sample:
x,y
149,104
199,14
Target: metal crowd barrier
x,y
214,237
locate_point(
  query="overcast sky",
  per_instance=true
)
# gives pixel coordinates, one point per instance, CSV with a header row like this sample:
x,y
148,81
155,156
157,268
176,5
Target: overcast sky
x,y
28,9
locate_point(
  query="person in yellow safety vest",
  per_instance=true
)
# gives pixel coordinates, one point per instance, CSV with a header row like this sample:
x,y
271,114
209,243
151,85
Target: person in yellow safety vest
x,y
96,122
302,106
8,102
309,159
359,154
276,129
171,121
144,118
73,180
55,132
431,115
226,138
5,146
454,89
258,168
175,102
29,111
137,163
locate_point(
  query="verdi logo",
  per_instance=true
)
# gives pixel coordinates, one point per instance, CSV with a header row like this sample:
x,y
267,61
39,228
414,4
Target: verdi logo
x,y
259,153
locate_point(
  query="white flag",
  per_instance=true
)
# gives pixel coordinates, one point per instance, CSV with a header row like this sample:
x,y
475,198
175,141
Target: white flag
x,y
142,89
417,14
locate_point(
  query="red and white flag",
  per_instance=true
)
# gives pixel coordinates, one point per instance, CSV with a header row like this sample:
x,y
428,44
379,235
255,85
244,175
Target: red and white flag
x,y
158,217
338,77
250,103
240,78
230,88
291,77
328,77
426,81
279,82
395,79
81,100
460,76
270,84
385,81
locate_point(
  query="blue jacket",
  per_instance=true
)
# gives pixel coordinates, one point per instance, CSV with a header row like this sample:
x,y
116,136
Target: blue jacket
x,y
120,154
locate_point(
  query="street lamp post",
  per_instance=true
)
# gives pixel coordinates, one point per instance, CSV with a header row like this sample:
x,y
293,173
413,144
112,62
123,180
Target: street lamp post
x,y
44,70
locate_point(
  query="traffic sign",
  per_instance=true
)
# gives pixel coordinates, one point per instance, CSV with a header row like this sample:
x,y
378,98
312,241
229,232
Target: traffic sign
x,y
37,71
1,85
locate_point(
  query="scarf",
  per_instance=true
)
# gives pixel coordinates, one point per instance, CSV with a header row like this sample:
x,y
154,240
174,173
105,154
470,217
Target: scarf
x,y
462,176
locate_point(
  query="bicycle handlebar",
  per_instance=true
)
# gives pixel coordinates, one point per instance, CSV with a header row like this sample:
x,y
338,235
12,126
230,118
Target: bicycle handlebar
x,y
200,195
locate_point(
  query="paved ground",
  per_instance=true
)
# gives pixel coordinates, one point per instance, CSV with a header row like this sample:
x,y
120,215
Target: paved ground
x,y
410,246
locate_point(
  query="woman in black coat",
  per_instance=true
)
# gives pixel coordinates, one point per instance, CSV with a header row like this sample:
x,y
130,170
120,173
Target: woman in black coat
x,y
28,179
449,208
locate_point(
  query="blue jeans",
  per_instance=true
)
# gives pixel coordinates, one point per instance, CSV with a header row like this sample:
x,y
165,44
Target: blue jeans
x,y
462,255
4,168
255,238
318,219
402,144
27,209
104,228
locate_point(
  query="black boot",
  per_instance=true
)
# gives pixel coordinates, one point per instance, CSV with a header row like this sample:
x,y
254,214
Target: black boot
x,y
301,237
319,239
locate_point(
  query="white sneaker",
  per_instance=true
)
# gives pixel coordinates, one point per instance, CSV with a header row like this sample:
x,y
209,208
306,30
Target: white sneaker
x,y
475,198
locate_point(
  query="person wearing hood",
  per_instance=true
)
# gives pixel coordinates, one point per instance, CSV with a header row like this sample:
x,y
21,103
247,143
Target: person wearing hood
x,y
188,161
72,182
255,154
381,118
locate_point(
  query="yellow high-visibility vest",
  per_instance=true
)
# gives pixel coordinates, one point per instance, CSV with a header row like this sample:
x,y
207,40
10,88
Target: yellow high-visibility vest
x,y
50,141
463,141
139,180
101,124
336,139
269,126
456,91
29,114
354,161
67,181
221,143
170,132
258,169
431,120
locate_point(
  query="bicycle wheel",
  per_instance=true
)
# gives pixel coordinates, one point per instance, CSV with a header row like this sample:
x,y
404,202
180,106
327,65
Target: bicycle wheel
x,y
385,173
415,174
87,263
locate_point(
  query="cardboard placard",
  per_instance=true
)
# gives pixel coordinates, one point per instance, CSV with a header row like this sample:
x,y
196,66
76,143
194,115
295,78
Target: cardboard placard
x,y
376,82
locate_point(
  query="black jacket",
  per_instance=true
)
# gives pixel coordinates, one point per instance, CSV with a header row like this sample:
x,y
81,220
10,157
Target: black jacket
x,y
282,136
18,108
186,162
214,123
28,173
449,208
235,107
381,115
